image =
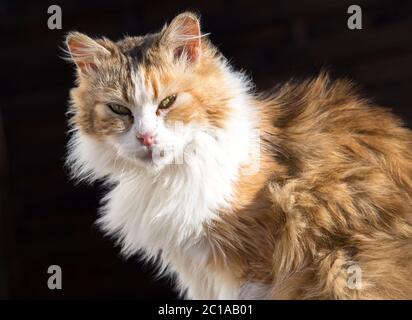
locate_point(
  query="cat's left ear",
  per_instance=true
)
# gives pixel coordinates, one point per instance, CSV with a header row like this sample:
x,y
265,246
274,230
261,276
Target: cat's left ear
x,y
183,36
85,52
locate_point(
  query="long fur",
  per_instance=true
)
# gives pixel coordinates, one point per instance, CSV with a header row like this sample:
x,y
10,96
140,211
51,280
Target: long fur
x,y
277,197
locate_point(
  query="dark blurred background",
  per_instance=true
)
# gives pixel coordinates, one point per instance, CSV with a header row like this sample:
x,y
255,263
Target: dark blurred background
x,y
45,219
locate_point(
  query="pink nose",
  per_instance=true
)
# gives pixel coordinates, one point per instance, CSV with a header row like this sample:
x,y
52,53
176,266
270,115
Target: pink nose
x,y
145,139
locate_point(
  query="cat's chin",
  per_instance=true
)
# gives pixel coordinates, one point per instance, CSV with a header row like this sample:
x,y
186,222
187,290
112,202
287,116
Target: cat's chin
x,y
149,162
147,157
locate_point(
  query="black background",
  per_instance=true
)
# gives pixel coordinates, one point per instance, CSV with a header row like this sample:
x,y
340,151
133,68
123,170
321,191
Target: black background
x,y
45,219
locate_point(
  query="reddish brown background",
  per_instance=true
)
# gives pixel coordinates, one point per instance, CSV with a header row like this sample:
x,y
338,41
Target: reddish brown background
x,y
45,219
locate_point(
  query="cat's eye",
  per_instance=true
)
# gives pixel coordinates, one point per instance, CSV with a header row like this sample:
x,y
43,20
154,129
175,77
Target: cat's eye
x,y
167,102
118,109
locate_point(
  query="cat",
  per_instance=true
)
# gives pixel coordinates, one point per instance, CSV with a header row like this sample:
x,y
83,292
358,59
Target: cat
x,y
300,193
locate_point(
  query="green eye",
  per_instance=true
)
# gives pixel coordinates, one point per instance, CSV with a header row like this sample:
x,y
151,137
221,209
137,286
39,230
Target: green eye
x,y
167,102
118,109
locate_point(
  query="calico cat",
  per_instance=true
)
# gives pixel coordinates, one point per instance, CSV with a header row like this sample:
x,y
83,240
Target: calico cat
x,y
303,193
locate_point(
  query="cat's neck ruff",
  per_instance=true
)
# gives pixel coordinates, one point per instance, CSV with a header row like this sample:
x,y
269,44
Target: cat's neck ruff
x,y
167,210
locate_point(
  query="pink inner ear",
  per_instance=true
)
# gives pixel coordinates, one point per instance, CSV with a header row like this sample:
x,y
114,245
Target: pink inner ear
x,y
79,52
190,31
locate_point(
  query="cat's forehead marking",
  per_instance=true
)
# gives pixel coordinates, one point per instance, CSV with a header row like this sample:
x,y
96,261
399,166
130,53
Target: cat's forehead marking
x,y
146,85
144,81
141,91
150,80
137,48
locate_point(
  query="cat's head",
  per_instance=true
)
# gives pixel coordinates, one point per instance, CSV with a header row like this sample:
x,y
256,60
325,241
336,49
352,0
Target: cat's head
x,y
149,100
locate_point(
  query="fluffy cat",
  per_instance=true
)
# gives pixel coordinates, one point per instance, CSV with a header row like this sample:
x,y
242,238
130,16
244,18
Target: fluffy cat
x,y
301,194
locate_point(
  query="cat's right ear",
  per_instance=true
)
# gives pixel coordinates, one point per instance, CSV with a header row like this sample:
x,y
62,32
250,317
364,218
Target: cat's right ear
x,y
183,36
84,51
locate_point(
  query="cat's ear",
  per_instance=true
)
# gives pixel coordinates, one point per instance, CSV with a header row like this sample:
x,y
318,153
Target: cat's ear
x,y
84,51
183,36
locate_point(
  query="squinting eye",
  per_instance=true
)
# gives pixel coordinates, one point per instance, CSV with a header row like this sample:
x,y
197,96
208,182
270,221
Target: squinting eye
x,y
120,109
167,102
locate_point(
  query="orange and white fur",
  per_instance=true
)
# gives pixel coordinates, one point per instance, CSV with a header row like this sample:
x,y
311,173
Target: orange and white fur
x,y
240,196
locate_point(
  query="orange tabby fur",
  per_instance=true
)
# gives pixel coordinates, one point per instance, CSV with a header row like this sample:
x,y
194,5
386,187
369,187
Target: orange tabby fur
x,y
334,189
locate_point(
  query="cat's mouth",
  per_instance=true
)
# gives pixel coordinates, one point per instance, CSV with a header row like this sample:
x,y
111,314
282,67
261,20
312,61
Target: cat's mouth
x,y
154,156
142,156
148,156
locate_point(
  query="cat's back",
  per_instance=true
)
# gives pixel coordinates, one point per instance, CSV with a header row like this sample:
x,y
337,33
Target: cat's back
x,y
345,196
324,126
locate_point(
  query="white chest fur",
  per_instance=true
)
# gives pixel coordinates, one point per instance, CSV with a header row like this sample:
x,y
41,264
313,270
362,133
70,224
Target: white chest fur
x,y
165,212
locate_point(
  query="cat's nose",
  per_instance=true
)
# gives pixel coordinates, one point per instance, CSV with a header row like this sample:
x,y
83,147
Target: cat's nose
x,y
145,139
